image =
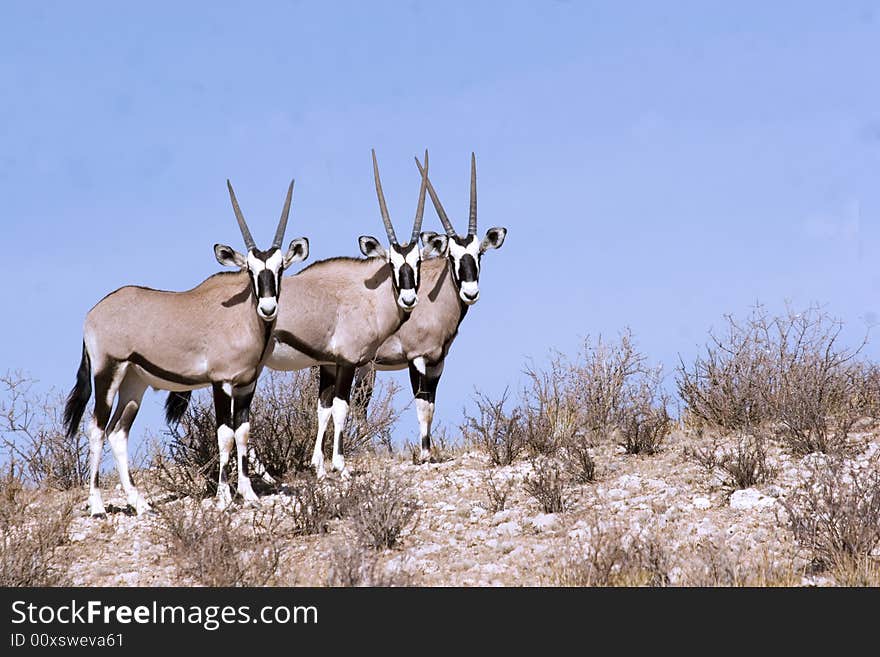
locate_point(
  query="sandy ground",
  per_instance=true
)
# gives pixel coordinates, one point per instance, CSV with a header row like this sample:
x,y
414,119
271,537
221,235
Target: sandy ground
x,y
457,539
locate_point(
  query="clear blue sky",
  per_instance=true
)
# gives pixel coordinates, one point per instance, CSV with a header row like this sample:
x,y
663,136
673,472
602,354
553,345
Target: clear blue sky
x,y
657,164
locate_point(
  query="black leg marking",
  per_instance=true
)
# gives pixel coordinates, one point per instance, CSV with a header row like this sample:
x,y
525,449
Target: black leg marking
x,y
326,385
424,386
103,381
222,406
344,378
241,414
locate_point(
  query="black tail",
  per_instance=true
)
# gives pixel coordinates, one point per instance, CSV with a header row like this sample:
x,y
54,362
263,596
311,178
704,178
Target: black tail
x,y
175,407
79,395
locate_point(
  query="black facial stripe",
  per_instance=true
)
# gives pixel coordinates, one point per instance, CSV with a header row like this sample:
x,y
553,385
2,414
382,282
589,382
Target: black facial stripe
x,y
266,284
467,269
406,278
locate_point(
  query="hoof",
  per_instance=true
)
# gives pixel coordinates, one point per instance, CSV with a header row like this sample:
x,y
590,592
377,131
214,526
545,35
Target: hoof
x,y
99,515
140,505
246,490
224,497
425,456
339,463
96,506
345,474
318,465
269,479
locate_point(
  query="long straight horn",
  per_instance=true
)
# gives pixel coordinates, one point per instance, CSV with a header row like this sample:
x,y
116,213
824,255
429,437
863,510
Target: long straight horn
x,y
389,229
420,210
444,219
472,220
282,223
242,224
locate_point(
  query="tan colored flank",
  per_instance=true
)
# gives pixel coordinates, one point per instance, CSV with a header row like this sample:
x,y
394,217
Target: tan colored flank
x,y
340,310
209,333
433,323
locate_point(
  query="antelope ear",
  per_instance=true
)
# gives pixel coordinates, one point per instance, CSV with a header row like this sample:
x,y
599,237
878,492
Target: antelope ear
x,y
371,247
297,251
229,257
433,244
494,239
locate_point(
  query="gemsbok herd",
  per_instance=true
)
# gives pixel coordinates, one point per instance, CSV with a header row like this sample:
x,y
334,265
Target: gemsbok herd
x,y
340,314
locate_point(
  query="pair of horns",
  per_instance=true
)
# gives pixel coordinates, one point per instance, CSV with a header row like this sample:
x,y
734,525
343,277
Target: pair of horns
x,y
242,224
444,218
420,209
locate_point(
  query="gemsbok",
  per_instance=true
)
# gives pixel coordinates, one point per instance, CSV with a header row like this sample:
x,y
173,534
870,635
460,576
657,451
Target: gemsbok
x,y
342,309
423,341
216,334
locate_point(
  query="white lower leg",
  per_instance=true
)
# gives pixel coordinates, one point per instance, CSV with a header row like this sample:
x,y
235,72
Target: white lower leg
x,y
425,411
244,482
259,468
96,445
225,440
340,412
318,453
119,445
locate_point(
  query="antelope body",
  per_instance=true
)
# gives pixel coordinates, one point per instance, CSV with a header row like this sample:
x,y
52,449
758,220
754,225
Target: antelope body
x,y
216,334
342,310
422,343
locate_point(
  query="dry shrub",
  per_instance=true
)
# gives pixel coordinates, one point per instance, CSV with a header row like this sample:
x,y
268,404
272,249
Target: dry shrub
x,y
283,428
716,564
546,485
312,506
746,464
284,421
607,391
643,420
599,381
188,465
835,514
352,564
787,372
550,412
381,507
729,386
33,434
495,431
497,492
743,465
32,527
218,548
579,462
612,556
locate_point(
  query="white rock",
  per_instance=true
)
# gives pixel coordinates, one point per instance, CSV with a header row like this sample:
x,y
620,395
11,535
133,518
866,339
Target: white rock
x,y
702,502
632,482
706,529
750,498
544,521
510,528
501,516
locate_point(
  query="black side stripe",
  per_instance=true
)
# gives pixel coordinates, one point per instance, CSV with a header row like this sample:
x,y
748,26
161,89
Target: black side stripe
x,y
291,340
164,374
